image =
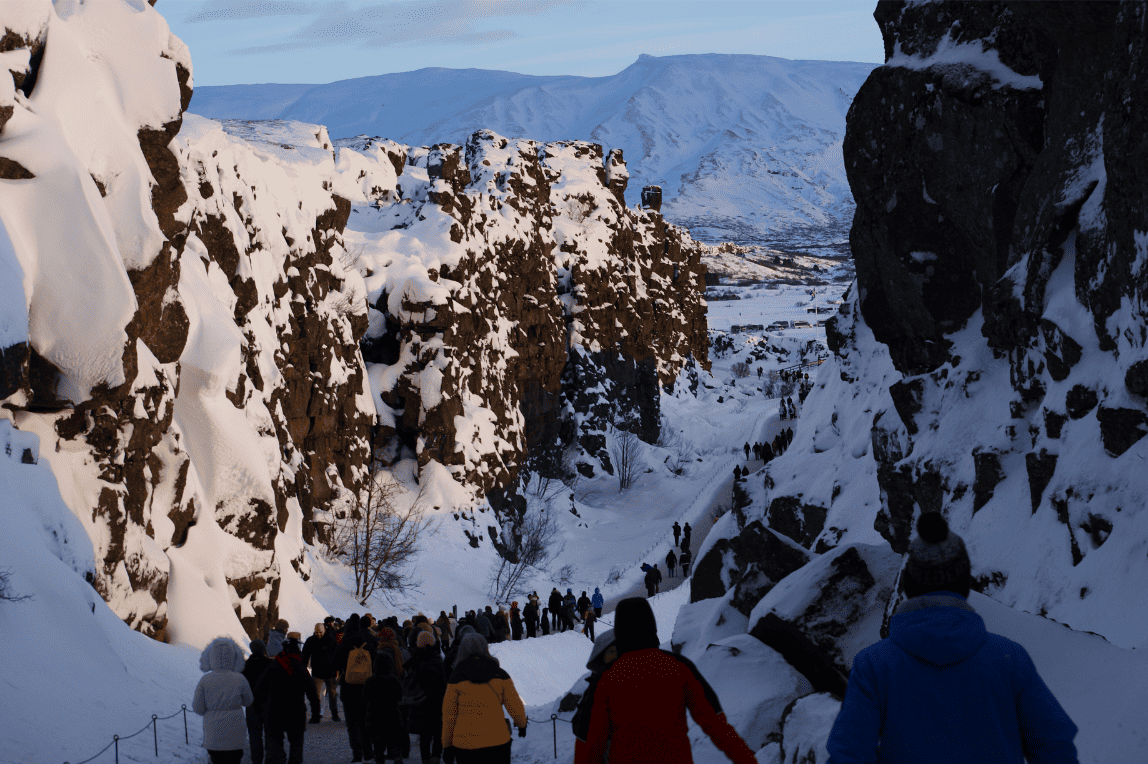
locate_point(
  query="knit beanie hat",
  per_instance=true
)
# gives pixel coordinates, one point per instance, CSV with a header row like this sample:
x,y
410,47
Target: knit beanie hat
x,y
426,639
938,560
258,647
281,625
387,634
635,625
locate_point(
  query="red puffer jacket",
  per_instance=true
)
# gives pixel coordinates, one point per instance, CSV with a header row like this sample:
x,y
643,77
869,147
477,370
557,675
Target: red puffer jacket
x,y
640,708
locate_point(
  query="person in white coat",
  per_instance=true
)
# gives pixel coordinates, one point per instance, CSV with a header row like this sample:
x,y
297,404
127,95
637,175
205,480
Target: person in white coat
x,y
220,698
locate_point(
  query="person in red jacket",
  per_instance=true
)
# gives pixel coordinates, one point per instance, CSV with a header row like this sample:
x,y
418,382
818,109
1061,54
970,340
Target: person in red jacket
x,y
640,704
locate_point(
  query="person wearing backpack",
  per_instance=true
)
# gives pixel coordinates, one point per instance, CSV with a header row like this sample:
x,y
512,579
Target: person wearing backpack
x,y
355,667
671,561
597,602
382,695
941,688
283,692
474,731
545,622
515,621
431,677
220,698
530,615
554,605
684,560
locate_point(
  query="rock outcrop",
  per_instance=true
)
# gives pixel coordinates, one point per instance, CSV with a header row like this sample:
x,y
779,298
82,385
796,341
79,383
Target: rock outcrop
x,y
239,349
989,362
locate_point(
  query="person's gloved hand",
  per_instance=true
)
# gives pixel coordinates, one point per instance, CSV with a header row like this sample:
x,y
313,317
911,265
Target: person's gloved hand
x,y
522,732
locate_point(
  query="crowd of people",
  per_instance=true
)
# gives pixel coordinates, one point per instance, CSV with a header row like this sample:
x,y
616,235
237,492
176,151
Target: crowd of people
x,y
438,680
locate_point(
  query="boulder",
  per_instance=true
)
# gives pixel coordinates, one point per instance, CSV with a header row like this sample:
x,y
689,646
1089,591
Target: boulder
x,y
821,616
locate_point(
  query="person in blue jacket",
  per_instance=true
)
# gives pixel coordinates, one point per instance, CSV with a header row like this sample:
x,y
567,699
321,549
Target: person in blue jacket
x,y
596,602
941,688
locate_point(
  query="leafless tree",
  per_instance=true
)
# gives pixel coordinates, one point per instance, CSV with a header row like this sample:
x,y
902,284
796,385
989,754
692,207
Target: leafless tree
x,y
6,594
377,539
741,369
529,547
614,576
625,455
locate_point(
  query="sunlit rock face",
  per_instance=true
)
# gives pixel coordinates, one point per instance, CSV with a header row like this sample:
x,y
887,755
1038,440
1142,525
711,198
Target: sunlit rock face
x,y
207,346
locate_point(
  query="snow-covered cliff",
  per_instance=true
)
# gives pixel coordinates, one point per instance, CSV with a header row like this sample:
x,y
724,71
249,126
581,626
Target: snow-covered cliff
x,y
743,146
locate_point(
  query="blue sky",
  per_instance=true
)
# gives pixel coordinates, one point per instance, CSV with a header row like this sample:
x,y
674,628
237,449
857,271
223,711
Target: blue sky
x,y
317,41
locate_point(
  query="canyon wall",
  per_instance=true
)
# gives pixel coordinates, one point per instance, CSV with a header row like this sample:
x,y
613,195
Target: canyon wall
x,y
209,326
989,362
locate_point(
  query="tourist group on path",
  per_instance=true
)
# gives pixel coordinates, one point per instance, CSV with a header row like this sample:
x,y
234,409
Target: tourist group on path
x,y
940,688
653,578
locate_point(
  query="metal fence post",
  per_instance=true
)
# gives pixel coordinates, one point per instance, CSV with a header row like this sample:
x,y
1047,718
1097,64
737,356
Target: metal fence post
x,y
155,734
554,723
116,740
184,709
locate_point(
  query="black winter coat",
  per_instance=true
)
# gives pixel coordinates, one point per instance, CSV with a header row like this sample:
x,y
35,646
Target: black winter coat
x,y
319,656
555,603
530,613
583,603
281,691
253,669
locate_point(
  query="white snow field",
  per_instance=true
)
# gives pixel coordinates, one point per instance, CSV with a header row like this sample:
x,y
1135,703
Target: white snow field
x,y
741,145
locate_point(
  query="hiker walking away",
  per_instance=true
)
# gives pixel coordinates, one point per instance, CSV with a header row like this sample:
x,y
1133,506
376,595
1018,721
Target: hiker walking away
x,y
515,622
252,670
949,690
588,619
597,602
319,658
431,677
530,615
657,579
651,582
640,703
482,624
686,531
685,547
445,631
275,637
671,561
545,622
473,727
220,697
569,616
601,656
746,449
555,605
583,602
677,532
283,691
381,696
685,562
355,666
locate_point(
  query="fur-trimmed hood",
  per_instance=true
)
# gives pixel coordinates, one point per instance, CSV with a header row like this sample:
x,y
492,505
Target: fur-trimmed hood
x,y
222,654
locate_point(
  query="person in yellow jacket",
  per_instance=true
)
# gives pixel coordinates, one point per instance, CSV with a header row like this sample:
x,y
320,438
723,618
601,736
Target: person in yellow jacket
x,y
474,731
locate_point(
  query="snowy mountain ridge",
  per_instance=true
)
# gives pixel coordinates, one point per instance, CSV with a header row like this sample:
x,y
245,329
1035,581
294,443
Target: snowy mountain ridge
x,y
744,146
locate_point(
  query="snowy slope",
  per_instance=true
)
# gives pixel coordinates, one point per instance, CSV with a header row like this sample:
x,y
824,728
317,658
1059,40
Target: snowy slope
x,y
741,145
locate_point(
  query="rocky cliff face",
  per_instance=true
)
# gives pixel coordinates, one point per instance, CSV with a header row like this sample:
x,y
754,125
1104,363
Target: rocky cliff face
x,y
518,308
989,363
207,351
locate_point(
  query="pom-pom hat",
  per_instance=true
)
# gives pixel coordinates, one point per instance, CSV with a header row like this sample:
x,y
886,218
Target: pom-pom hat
x,y
938,560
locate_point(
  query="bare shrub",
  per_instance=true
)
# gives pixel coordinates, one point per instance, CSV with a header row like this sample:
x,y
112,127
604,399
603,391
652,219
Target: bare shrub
x,y
625,453
566,575
615,575
378,540
530,547
741,369
6,594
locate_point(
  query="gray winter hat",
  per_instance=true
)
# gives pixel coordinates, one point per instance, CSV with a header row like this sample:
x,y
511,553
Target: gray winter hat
x,y
601,645
938,560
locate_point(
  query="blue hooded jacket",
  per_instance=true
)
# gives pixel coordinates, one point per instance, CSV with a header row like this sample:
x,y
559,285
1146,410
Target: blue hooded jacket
x,y
596,600
942,689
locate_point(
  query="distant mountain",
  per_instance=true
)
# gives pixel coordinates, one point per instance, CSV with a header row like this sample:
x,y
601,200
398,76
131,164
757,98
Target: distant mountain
x,y
746,148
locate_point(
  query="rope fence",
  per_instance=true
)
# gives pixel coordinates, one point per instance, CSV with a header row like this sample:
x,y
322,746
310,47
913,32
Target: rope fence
x,y
154,731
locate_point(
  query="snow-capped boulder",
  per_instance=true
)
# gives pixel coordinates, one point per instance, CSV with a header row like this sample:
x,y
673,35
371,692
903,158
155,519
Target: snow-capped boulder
x,y
750,563
754,708
820,617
